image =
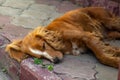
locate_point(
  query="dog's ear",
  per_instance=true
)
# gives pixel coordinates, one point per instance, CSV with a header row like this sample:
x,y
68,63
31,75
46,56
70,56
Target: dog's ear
x,y
40,32
54,38
14,50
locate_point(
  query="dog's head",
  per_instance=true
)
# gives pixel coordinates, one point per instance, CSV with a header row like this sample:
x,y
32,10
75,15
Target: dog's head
x,y
38,43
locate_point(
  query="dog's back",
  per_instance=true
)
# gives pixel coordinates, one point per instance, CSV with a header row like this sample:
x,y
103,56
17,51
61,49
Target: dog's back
x,y
78,18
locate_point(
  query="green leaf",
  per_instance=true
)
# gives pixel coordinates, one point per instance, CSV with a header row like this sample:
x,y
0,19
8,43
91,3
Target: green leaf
x,y
38,61
50,67
4,70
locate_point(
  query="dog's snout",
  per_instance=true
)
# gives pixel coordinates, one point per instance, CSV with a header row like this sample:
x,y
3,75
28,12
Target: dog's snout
x,y
56,60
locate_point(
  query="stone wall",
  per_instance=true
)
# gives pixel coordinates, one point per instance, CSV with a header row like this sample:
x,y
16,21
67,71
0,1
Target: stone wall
x,y
112,5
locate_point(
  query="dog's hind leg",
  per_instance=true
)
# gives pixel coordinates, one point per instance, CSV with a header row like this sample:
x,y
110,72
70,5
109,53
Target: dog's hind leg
x,y
113,23
105,53
113,35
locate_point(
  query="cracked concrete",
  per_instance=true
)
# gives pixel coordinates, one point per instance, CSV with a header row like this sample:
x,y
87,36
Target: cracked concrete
x,y
36,15
9,11
19,15
75,68
106,72
19,4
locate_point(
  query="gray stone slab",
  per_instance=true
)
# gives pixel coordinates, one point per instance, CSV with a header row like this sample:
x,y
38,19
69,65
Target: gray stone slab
x,y
9,11
106,72
66,5
76,68
41,11
13,32
21,4
2,1
4,20
51,18
26,22
37,14
42,7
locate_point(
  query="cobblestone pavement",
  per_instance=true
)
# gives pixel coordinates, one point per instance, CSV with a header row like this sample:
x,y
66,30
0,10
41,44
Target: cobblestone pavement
x,y
17,17
3,76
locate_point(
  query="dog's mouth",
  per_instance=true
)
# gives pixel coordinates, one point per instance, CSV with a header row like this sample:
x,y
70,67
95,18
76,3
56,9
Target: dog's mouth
x,y
46,55
47,51
55,59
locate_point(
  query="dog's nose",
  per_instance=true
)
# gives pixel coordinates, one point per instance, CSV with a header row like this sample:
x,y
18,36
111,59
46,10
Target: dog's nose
x,y
56,60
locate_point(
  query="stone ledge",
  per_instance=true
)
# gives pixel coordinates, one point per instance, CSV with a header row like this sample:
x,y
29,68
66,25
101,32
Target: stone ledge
x,y
6,62
30,71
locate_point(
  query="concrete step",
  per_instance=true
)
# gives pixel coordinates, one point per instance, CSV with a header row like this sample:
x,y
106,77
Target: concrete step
x,y
6,62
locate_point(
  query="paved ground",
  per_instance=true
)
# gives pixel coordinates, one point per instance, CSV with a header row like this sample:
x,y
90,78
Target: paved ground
x,y
17,17
3,76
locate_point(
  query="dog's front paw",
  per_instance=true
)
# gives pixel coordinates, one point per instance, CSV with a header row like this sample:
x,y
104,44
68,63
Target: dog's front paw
x,y
77,51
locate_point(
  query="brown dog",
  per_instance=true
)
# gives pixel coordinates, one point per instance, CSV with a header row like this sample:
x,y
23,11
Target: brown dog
x,y
72,33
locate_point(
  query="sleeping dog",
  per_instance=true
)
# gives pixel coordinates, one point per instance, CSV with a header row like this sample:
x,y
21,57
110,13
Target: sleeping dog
x,y
73,33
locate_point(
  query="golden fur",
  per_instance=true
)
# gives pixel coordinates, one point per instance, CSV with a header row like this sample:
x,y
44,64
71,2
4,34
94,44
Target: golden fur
x,y
85,27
